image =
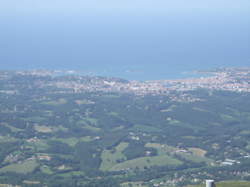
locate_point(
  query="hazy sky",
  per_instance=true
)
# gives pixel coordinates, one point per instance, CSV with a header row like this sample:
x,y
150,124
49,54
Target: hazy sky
x,y
85,34
117,5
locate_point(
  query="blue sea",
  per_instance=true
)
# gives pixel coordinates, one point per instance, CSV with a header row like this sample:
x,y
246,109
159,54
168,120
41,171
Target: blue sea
x,y
134,47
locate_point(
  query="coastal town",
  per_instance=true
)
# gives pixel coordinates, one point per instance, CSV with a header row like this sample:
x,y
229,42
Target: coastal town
x,y
226,79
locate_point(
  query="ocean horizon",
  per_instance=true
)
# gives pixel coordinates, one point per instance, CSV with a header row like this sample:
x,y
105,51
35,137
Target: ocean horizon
x,y
134,44
131,73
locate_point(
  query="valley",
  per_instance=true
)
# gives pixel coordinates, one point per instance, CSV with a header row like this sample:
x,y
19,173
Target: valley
x,y
74,130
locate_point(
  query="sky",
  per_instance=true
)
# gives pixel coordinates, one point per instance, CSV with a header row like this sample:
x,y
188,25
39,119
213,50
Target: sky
x,y
120,5
106,36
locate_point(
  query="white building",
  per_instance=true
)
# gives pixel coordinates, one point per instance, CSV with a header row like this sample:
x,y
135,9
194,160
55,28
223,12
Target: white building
x,y
210,183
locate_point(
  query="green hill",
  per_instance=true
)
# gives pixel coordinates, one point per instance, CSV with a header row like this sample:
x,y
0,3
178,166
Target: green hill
x,y
89,131
228,184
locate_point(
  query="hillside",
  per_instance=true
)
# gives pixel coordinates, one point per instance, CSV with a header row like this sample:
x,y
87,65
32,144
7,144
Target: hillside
x,y
228,184
91,131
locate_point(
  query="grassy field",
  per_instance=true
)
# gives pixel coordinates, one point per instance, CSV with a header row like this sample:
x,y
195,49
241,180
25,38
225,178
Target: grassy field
x,y
195,158
162,149
4,139
228,184
40,145
9,185
31,182
58,102
89,127
117,128
60,128
142,162
109,157
73,141
85,124
24,168
42,129
171,108
226,117
71,174
198,151
173,122
198,155
45,169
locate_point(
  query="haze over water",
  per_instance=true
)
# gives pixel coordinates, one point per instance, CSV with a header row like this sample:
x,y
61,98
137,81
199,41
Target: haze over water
x,y
137,39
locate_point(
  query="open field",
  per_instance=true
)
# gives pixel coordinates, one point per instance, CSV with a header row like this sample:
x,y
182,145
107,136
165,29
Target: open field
x,y
56,102
71,174
227,184
162,149
24,168
227,117
198,151
198,155
171,108
142,162
111,157
195,158
7,139
73,141
39,145
91,120
91,128
31,182
45,169
42,129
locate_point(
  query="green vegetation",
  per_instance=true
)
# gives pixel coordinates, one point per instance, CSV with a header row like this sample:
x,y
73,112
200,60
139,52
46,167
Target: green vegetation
x,y
43,129
89,127
162,149
133,184
7,139
73,141
36,119
198,151
146,162
39,145
195,158
45,169
228,184
13,129
23,168
227,117
112,157
144,128
58,102
97,139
